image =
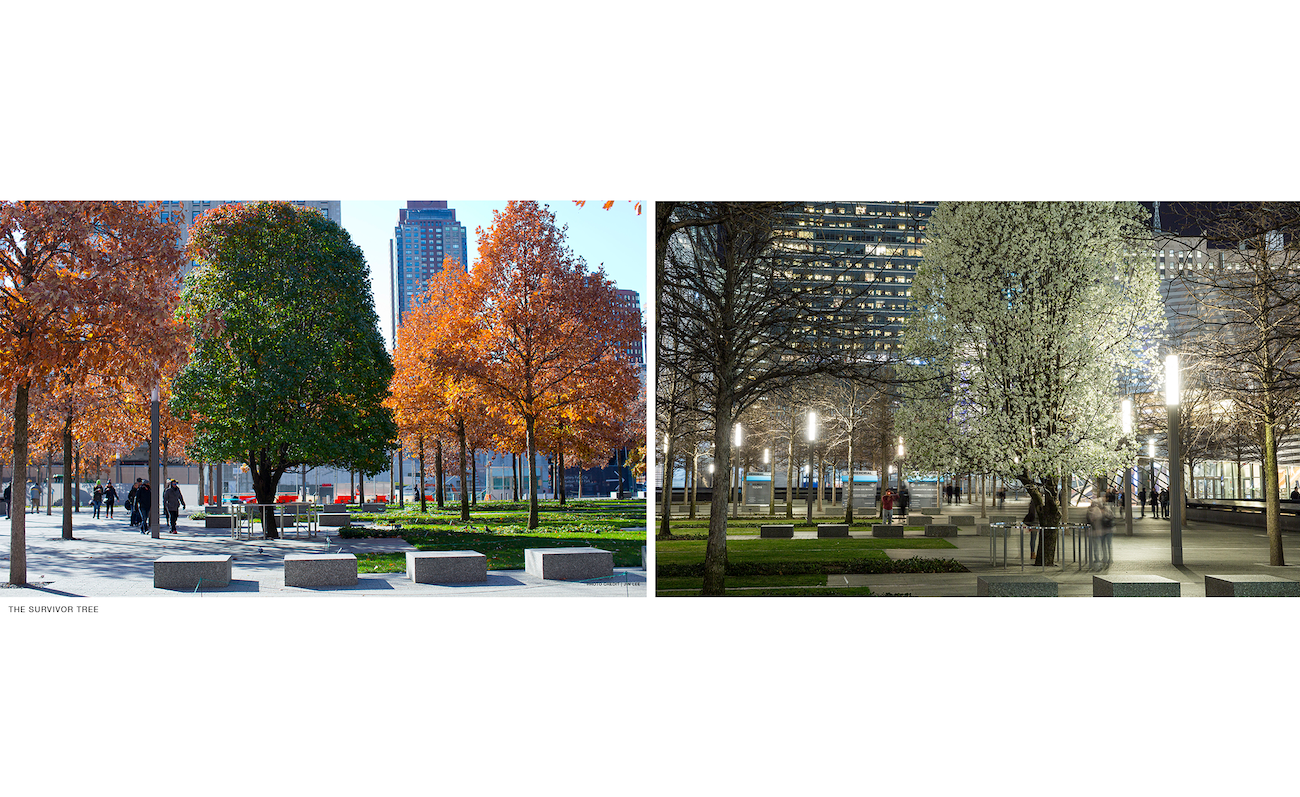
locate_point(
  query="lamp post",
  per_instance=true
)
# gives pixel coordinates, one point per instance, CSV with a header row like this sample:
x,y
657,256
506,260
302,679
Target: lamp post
x,y
152,509
1126,419
812,438
900,466
1173,388
735,468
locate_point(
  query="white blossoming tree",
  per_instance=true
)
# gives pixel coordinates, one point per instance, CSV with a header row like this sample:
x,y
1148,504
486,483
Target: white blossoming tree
x,y
1025,315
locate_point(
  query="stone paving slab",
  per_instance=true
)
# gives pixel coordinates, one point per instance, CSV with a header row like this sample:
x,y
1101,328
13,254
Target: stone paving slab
x,y
109,559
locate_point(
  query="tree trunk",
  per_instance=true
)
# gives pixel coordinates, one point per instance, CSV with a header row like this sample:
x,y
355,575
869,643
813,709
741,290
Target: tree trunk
x,y
473,477
1045,499
771,485
265,482
514,477
440,495
665,522
464,494
695,480
1272,505
76,469
848,488
18,492
715,552
424,474
529,424
789,473
67,478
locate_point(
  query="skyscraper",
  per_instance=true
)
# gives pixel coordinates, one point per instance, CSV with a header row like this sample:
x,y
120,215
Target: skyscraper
x,y
426,234
187,211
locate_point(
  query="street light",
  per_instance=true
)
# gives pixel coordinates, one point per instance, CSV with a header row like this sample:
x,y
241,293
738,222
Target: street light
x,y
1126,422
1173,392
154,487
735,466
812,438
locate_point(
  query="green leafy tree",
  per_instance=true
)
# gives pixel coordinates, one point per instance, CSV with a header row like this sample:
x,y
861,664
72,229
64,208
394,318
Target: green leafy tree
x,y
289,367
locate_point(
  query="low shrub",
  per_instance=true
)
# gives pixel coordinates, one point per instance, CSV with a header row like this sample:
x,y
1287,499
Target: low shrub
x,y
864,565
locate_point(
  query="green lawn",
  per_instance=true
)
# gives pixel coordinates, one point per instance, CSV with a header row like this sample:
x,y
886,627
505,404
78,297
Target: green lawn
x,y
500,531
789,568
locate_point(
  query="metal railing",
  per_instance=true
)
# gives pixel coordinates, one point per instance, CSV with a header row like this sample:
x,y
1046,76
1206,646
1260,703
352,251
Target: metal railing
x,y
301,516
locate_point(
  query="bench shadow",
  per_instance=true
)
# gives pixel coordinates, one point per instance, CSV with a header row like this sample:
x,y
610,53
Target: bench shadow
x,y
236,585
363,583
493,580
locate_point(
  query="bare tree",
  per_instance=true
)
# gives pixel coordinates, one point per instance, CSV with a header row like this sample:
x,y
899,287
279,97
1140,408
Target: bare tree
x,y
749,321
1243,323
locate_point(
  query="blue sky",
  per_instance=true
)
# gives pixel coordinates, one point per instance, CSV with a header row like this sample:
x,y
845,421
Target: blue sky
x,y
615,238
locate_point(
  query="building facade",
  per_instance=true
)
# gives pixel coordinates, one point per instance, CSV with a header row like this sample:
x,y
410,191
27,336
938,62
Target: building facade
x,y
427,235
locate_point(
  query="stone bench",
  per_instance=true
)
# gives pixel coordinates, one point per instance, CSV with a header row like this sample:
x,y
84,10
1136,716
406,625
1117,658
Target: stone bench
x,y
882,530
1135,587
379,506
446,567
832,530
568,564
188,572
1008,519
216,509
334,519
217,521
961,520
320,570
1251,586
773,531
919,520
1015,587
928,510
941,530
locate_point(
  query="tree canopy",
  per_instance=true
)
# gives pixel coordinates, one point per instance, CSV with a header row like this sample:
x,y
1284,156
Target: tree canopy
x,y
1027,313
289,367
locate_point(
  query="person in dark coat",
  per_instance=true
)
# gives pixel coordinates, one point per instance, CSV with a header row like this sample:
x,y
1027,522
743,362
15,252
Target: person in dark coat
x,y
1164,501
133,504
142,496
172,503
1155,503
97,500
904,498
110,498
8,493
1142,500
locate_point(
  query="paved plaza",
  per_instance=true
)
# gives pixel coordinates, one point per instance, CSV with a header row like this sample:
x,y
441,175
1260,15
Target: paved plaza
x,y
1208,549
108,558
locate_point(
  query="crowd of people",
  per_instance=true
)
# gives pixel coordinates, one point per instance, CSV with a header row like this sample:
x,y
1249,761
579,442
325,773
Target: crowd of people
x,y
104,497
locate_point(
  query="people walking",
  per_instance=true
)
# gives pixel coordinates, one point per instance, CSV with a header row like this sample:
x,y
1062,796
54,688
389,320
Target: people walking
x,y
1142,501
132,504
1155,503
904,498
8,499
142,505
172,502
1101,523
1164,501
97,498
35,496
110,498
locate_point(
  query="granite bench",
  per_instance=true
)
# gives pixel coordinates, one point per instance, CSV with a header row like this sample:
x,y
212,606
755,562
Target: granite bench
x,y
832,530
882,530
188,572
1135,586
1023,586
217,521
320,570
773,531
568,564
919,520
334,519
378,506
929,510
446,567
940,530
1251,586
961,520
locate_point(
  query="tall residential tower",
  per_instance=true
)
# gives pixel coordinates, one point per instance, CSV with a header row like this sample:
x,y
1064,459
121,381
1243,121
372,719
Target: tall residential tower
x,y
426,234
